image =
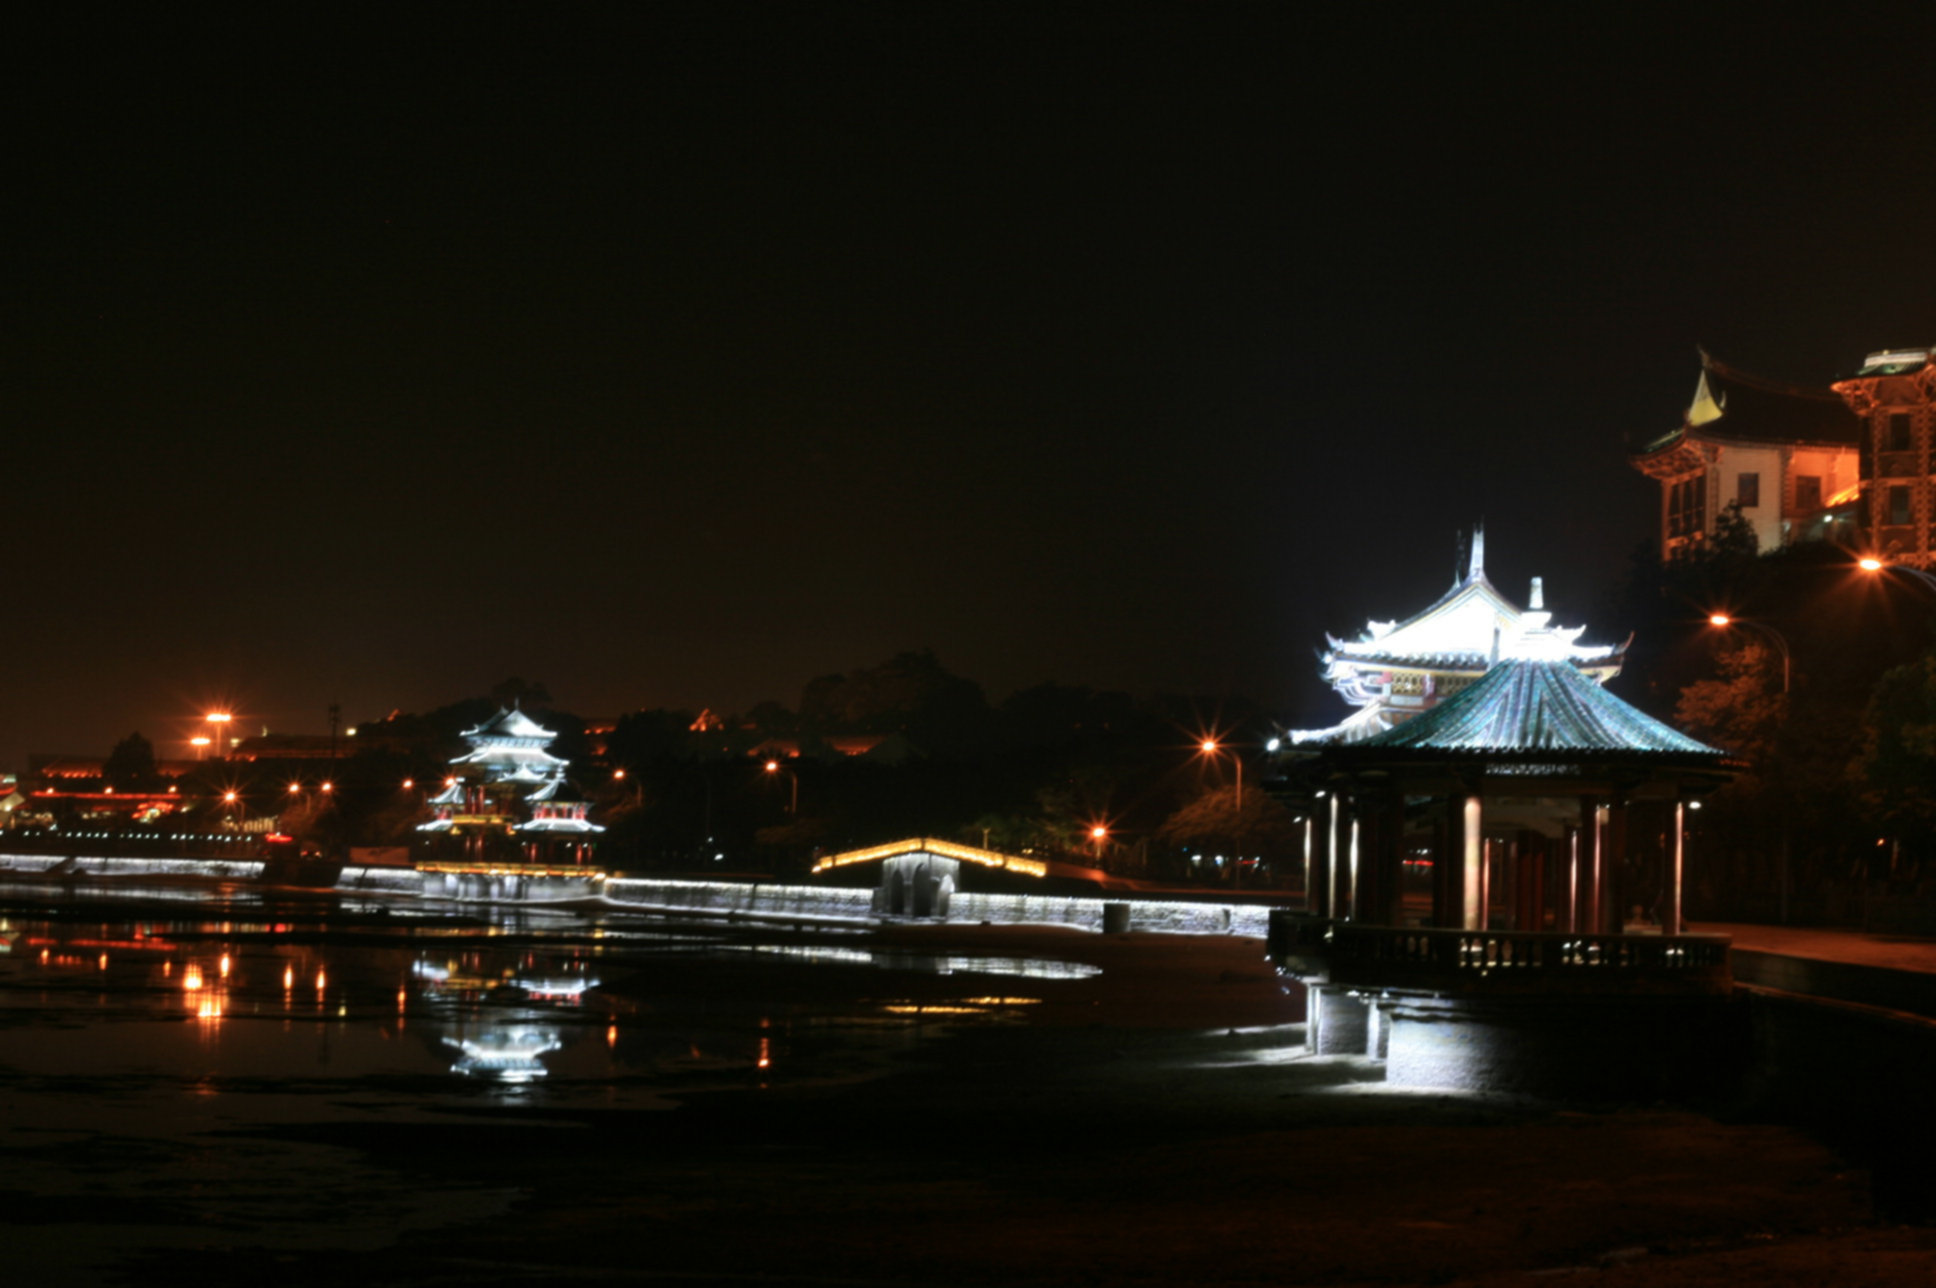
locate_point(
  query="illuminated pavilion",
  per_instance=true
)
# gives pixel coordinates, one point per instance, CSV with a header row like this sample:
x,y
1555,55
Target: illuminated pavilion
x,y
1397,670
1493,886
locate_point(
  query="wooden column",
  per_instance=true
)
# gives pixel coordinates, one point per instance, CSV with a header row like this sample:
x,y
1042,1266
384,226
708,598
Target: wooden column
x,y
1473,853
1326,804
1445,883
1388,892
1676,864
1613,912
1593,837
1310,834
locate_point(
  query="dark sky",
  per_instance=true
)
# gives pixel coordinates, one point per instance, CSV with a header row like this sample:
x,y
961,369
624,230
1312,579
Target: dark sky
x,y
676,355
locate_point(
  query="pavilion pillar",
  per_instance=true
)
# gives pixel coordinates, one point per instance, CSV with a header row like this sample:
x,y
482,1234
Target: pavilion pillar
x,y
1473,851
1353,909
1445,895
1676,865
1569,911
1321,897
1612,912
1310,832
1333,803
1593,854
1385,905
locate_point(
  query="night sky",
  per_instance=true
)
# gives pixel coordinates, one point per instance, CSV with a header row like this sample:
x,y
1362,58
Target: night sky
x,y
675,355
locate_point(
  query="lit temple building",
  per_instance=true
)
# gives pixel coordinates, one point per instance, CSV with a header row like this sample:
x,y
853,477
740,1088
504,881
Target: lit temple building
x,y
510,748
1787,454
1893,398
486,810
1397,670
558,823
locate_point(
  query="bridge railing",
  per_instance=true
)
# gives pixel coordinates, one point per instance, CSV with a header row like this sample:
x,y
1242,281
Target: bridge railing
x,y
1399,956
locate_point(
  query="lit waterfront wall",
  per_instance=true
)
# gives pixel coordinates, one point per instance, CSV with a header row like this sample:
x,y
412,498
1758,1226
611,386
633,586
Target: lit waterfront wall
x,y
116,865
855,904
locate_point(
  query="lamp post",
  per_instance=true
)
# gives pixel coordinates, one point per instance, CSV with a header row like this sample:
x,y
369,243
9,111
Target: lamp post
x,y
1099,834
1723,621
1874,564
1210,747
793,803
1775,637
200,743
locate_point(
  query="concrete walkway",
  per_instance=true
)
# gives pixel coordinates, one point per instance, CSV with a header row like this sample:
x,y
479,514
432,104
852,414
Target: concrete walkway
x,y
1853,947
1892,972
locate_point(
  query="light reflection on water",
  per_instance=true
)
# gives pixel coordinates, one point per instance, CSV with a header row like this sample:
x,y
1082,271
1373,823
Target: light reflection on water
x,y
238,988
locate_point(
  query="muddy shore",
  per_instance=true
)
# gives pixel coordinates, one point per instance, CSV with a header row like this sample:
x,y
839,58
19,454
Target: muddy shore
x,y
1152,1125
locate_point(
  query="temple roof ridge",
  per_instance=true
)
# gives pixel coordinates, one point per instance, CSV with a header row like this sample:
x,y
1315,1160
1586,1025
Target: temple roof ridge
x,y
1735,375
510,722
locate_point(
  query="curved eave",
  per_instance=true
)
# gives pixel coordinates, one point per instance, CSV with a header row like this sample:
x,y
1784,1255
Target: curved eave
x,y
1555,767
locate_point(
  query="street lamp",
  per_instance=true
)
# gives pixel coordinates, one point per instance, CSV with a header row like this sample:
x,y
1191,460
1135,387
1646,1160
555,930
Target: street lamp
x,y
1723,621
200,743
1780,642
1871,563
775,767
1098,833
1210,747
220,719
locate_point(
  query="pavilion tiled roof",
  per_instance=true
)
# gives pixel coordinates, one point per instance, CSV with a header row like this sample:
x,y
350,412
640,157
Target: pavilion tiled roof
x,y
1528,705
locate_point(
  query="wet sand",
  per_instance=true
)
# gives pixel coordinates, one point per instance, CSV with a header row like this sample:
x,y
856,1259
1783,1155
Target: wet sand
x,y
1154,1125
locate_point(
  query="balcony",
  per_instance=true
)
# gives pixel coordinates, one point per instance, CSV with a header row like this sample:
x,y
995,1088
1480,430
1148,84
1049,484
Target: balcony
x,y
1494,962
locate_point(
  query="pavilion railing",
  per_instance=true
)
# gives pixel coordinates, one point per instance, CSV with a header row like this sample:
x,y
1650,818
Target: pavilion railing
x,y
1345,951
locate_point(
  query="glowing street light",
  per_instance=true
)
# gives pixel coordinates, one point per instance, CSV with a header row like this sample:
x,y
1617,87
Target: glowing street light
x,y
221,721
1099,833
1874,564
200,743
1723,621
1210,747
775,767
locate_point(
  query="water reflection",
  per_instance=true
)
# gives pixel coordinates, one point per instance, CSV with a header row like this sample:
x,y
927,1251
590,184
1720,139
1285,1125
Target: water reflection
x,y
508,1054
238,989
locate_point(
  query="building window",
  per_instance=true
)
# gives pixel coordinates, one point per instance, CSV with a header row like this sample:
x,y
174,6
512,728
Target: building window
x,y
1898,507
1687,507
1898,432
1808,493
1747,490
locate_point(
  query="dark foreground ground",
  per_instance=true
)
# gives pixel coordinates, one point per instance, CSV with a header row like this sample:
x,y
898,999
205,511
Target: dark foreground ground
x,y
1149,1126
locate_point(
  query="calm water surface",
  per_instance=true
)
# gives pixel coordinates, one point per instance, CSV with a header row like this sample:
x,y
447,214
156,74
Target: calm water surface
x,y
154,1038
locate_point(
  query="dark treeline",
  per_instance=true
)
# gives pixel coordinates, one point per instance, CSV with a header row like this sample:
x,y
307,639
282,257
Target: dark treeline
x,y
870,755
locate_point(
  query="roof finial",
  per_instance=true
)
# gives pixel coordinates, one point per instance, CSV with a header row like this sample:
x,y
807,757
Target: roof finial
x,y
1477,568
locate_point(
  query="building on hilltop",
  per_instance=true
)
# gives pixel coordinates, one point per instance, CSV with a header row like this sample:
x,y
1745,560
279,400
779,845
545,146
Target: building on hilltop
x,y
1397,670
1788,455
1893,399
